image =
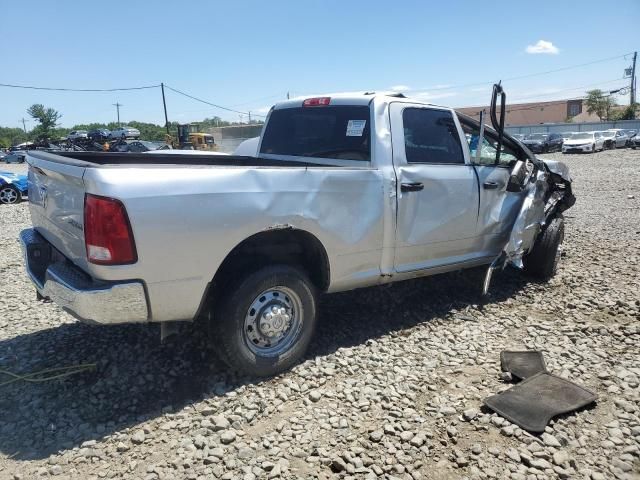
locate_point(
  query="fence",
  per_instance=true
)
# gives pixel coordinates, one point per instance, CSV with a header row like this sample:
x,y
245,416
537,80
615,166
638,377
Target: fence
x,y
573,127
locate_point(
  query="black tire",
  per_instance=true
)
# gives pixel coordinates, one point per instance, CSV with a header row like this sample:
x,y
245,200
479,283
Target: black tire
x,y
9,195
233,307
543,259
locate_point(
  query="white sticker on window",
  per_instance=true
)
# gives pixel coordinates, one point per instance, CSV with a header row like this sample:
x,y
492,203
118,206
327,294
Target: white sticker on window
x,y
355,128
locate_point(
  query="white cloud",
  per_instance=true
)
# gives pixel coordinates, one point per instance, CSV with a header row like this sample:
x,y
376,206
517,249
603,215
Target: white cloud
x,y
543,47
400,88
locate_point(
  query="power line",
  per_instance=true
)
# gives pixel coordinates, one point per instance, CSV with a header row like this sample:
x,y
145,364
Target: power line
x,y
209,103
451,87
568,89
515,102
30,87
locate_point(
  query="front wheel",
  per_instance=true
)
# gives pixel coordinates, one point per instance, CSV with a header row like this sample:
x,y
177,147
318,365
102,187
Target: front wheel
x,y
9,194
263,325
543,259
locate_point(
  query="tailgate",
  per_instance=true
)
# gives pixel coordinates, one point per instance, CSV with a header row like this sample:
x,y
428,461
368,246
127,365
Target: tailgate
x,y
56,202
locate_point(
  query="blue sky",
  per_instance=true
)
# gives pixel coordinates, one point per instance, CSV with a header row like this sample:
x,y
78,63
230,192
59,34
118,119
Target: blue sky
x,y
247,54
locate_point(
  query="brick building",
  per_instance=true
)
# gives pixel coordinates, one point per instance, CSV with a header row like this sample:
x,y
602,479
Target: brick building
x,y
536,113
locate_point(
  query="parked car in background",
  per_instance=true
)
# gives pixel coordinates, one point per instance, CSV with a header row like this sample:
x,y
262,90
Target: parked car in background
x,y
13,187
139,146
543,142
566,135
99,134
615,138
518,136
76,134
17,156
634,142
584,142
631,134
125,132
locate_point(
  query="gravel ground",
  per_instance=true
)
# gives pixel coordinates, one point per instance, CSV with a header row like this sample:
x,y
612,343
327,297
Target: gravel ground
x,y
391,388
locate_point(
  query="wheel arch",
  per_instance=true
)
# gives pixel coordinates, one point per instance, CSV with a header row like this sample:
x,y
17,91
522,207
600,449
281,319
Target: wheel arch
x,y
276,245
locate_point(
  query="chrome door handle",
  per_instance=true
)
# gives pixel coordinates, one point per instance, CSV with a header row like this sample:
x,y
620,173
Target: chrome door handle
x,y
490,185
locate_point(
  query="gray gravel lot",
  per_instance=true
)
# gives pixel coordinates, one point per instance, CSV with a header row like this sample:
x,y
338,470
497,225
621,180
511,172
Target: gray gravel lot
x,y
392,386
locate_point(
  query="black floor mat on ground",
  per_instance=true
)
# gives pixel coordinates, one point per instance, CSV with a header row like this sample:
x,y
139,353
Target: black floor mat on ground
x,y
536,400
522,364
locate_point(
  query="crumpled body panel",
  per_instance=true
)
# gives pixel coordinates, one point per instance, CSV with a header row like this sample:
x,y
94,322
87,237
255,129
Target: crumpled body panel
x,y
529,221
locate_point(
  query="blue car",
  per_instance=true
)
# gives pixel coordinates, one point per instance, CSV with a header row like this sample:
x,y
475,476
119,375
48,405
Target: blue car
x,y
14,157
13,187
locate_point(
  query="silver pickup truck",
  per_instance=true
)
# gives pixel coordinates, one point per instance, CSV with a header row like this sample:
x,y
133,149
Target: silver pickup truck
x,y
345,192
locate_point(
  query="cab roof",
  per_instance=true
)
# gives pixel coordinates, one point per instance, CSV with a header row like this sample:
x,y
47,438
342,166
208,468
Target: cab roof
x,y
364,99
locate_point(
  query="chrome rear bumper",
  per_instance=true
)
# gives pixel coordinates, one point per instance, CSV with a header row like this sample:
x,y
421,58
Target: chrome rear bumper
x,y
88,299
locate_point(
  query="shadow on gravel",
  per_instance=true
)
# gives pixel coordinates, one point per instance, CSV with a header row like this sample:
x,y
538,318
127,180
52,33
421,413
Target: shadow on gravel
x,y
139,379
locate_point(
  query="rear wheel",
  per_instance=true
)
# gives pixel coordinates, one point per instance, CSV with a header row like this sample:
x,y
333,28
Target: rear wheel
x,y
543,259
9,194
263,325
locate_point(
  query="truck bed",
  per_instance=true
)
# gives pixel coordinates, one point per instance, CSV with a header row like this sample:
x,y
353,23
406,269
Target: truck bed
x,y
94,159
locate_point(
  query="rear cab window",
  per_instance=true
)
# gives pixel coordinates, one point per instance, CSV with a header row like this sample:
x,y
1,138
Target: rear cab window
x,y
333,131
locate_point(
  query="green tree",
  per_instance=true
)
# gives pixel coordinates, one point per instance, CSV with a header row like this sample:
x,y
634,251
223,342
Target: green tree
x,y
11,136
599,103
47,119
627,113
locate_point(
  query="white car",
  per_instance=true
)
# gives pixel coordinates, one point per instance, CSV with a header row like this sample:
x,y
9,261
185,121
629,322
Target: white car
x,y
125,132
76,134
584,142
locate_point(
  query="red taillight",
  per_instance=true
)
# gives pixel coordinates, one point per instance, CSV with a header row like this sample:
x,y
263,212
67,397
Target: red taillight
x,y
316,102
107,232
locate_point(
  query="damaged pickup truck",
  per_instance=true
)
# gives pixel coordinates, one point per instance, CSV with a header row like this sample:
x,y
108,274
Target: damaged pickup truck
x,y
345,192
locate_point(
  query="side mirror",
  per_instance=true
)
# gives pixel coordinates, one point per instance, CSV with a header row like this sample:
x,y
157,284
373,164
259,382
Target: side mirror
x,y
518,177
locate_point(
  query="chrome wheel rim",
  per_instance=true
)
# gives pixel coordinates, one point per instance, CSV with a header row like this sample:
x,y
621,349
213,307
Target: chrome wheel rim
x,y
273,321
8,195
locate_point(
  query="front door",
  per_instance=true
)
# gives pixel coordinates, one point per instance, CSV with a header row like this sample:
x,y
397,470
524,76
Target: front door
x,y
498,207
437,190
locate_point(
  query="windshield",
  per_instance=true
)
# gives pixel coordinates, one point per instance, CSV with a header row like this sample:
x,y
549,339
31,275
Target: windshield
x,y
582,136
537,136
608,134
340,132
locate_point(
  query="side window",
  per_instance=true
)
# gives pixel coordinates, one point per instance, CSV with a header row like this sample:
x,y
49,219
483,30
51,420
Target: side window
x,y
488,150
431,136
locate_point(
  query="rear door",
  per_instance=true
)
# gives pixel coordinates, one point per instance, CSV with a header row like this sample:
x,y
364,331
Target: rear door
x,y
56,203
437,191
498,207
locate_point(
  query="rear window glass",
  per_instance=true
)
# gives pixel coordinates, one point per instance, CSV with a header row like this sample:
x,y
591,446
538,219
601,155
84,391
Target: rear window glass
x,y
341,132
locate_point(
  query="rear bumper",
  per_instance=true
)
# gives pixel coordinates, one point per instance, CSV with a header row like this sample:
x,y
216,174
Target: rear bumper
x,y
88,299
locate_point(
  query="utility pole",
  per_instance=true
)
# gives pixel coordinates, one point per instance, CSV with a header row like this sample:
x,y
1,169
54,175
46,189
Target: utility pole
x,y
632,97
249,117
118,105
164,103
287,95
24,127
